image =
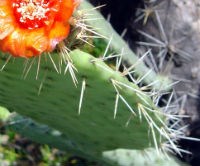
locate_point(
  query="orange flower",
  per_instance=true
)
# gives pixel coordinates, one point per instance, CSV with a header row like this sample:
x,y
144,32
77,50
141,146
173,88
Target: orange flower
x,y
31,27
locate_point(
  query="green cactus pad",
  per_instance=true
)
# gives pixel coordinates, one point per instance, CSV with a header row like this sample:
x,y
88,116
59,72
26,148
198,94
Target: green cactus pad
x,y
94,130
147,157
104,28
45,135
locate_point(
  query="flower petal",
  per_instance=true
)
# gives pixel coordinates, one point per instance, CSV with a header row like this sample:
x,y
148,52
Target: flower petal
x,y
6,27
21,39
6,20
25,43
65,11
58,32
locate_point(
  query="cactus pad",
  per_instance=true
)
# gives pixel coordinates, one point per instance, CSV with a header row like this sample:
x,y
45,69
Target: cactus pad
x,y
53,99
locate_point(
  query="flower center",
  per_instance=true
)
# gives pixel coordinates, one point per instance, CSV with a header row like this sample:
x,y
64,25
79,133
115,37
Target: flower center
x,y
31,14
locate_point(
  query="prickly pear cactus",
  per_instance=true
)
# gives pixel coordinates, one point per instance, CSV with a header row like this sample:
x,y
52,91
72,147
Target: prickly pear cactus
x,y
37,132
122,157
105,111
92,104
98,23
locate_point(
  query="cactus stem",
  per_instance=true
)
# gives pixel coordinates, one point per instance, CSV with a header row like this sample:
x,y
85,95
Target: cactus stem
x,y
105,29
81,96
